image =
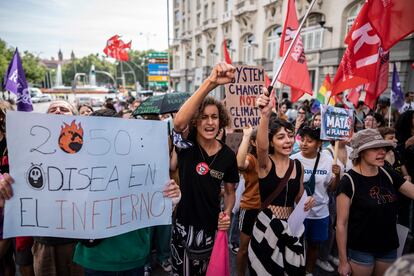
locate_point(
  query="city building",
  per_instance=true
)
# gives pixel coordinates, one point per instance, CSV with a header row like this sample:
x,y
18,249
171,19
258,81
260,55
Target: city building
x,y
252,29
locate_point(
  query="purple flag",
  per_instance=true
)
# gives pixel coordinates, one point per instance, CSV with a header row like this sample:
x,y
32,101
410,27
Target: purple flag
x,y
15,82
397,97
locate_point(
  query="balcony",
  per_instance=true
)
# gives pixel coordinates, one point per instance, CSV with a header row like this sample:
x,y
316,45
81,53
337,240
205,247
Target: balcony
x,y
227,16
245,6
268,2
209,24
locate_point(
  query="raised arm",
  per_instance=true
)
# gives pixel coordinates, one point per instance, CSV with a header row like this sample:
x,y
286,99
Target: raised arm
x,y
222,73
262,138
242,162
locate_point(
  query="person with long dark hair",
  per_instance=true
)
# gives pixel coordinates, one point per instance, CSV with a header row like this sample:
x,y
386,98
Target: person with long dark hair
x,y
204,163
273,249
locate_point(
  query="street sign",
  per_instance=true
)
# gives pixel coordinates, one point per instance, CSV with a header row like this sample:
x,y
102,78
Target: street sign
x,y
158,83
157,78
157,66
158,55
158,73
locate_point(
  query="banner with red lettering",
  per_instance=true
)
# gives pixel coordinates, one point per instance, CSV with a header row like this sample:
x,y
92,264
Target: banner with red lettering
x,y
241,96
85,177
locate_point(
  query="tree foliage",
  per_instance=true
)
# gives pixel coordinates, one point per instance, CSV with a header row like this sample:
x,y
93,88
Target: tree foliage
x,y
33,68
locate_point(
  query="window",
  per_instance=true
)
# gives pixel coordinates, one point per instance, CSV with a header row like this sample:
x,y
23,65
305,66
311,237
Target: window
x,y
198,58
198,4
198,19
184,26
228,5
248,49
189,23
352,15
273,43
176,17
188,60
211,55
213,10
206,12
312,33
229,45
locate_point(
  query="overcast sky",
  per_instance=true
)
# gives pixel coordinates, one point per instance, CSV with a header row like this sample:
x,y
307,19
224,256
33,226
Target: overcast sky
x,y
44,26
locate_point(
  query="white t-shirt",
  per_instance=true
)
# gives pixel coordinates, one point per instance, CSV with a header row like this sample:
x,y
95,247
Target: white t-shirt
x,y
344,167
323,176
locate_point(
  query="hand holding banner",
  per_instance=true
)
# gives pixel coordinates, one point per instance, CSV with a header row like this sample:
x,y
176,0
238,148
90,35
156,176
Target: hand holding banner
x,y
85,177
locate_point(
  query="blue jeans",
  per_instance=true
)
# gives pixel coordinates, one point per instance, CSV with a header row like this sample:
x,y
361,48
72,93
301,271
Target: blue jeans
x,y
139,271
368,259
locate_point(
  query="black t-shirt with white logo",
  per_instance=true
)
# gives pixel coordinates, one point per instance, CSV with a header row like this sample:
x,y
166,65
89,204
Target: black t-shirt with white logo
x,y
373,213
200,188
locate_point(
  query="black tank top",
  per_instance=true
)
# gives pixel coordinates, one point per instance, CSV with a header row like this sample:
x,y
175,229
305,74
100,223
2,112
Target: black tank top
x,y
269,183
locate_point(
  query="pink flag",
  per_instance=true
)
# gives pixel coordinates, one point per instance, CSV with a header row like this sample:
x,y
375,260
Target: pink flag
x,y
219,261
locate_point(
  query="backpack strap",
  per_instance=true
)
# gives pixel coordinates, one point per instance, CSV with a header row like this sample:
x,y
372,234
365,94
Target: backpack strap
x,y
352,184
387,173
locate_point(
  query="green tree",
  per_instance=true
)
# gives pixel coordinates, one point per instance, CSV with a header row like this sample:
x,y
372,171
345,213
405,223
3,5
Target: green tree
x,y
34,70
83,65
6,55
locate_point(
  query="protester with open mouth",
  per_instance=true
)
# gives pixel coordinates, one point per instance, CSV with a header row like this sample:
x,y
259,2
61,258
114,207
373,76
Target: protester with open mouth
x,y
272,249
319,177
204,163
367,208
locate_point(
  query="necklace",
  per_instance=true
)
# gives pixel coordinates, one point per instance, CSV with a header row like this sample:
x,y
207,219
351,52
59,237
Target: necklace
x,y
203,168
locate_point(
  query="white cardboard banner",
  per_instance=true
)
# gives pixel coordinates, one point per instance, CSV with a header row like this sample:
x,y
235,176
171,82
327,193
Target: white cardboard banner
x,y
85,177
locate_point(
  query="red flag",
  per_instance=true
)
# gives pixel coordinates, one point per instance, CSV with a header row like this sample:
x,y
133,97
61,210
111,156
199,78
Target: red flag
x,y
226,53
392,19
294,72
360,62
117,49
378,87
354,95
370,100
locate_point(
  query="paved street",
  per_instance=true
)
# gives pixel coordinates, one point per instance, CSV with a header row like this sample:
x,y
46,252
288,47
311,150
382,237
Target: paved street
x,y
159,272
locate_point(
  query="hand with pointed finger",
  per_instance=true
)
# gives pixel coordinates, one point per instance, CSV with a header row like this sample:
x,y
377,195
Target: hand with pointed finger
x,y
222,73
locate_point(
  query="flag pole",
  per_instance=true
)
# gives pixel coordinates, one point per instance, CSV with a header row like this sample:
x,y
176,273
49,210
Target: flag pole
x,y
389,110
272,84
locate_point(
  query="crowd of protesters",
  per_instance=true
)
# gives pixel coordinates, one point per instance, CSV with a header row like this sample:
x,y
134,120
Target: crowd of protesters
x,y
355,198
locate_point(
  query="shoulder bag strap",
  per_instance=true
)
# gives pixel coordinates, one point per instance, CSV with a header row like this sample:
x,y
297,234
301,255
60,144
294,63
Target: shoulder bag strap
x,y
316,163
389,176
280,187
352,184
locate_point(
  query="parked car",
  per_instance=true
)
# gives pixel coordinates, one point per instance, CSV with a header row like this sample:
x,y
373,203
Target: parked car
x,y
45,98
97,102
83,100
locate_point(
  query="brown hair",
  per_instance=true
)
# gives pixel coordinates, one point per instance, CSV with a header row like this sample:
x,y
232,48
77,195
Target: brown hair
x,y
224,117
386,131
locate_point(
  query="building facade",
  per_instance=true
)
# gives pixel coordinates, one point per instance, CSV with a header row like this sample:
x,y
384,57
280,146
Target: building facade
x,y
252,30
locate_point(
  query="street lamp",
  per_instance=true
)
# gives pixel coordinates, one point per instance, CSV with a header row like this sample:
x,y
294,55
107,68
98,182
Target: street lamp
x,y
142,70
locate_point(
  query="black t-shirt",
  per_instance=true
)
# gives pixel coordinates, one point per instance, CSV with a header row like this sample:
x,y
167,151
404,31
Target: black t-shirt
x,y
200,203
373,213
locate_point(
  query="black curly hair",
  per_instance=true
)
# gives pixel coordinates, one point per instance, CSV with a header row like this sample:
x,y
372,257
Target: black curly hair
x,y
275,124
224,117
